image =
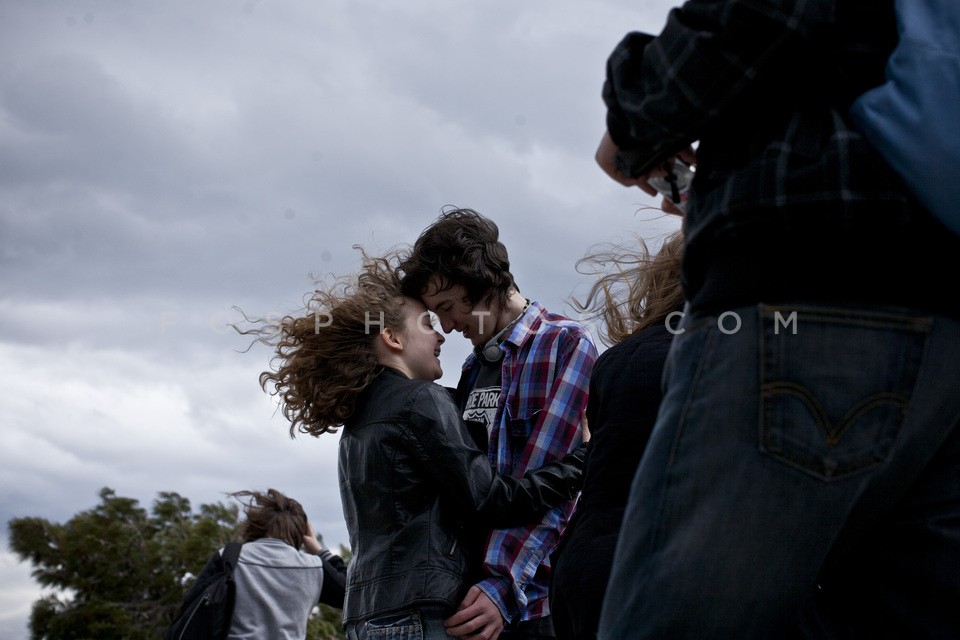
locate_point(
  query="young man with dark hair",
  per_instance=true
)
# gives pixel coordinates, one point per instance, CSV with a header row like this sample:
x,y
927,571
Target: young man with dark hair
x,y
523,391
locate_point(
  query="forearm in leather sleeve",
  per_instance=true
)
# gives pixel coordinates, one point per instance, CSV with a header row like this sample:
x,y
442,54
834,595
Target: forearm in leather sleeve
x,y
517,501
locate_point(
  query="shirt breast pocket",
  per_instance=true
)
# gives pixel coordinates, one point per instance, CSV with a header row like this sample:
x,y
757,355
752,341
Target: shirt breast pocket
x,y
522,427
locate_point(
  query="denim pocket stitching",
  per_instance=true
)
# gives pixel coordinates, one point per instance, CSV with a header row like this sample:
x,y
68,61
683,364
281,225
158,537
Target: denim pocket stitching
x,y
410,629
833,432
782,435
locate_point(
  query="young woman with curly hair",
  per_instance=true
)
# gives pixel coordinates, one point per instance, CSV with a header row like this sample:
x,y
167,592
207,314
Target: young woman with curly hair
x,y
415,487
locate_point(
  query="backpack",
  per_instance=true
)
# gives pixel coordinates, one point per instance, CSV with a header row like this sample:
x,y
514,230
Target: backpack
x,y
913,119
208,607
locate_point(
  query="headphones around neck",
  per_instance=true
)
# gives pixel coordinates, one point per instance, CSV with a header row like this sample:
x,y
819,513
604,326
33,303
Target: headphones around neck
x,y
491,352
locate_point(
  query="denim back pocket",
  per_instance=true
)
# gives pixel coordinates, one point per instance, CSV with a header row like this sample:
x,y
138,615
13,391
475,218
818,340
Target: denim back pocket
x,y
835,385
398,626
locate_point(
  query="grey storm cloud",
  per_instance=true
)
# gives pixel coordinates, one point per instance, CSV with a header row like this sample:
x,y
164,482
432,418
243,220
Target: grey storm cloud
x,y
164,164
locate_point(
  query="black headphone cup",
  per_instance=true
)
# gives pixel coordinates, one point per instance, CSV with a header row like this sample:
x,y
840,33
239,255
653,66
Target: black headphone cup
x,y
492,353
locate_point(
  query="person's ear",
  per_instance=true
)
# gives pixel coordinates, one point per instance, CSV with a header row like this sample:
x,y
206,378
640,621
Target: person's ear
x,y
391,338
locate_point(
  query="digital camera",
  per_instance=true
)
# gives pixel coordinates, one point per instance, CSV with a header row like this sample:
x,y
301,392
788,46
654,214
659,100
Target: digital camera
x,y
675,185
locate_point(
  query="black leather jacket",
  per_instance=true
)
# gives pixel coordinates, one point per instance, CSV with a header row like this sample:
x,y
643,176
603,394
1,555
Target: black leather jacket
x,y
416,491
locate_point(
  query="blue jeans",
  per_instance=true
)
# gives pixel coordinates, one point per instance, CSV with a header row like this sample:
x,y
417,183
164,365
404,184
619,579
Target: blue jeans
x,y
416,624
802,480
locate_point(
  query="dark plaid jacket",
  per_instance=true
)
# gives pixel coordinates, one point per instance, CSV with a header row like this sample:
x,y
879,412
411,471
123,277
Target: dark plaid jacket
x,y
789,204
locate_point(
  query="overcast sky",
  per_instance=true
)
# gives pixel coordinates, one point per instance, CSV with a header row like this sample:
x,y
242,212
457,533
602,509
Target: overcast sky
x,y
162,163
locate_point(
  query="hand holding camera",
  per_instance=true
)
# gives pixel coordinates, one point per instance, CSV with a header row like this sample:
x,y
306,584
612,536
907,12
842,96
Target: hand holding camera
x,y
675,183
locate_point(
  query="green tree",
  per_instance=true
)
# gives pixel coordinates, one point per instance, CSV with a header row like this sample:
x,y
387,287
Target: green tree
x,y
120,573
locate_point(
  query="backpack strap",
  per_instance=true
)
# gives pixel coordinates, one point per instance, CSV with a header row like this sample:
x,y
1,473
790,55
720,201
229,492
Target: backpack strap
x,y
231,553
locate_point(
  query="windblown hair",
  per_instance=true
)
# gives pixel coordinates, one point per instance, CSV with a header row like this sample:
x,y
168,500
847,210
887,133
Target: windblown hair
x,y
324,356
272,515
462,248
636,290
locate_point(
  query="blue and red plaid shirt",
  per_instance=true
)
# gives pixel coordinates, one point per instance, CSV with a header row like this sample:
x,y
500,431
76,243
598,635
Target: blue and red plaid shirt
x,y
545,381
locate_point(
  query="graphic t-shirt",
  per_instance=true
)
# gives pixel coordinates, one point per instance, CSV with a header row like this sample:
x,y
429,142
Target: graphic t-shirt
x,y
484,398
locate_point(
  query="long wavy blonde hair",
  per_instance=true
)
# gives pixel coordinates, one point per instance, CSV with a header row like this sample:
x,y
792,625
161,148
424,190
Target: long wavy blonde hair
x,y
634,289
324,355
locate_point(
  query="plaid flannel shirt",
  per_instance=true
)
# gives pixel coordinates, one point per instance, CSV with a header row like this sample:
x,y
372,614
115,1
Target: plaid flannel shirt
x,y
731,70
789,202
545,381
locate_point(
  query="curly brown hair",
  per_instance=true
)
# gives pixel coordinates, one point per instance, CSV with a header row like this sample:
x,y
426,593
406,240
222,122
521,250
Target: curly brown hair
x,y
463,248
324,355
638,292
272,515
